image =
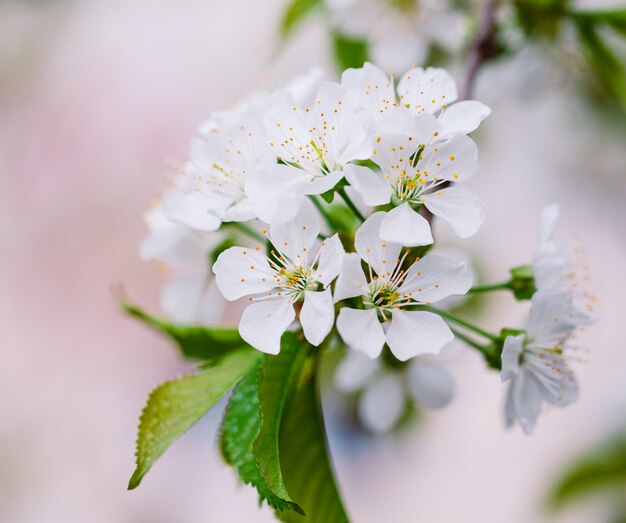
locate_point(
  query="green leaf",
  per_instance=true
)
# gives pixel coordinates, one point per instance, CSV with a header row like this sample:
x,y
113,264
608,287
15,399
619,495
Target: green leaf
x,y
615,18
305,459
601,469
295,13
277,380
349,51
240,428
194,342
175,406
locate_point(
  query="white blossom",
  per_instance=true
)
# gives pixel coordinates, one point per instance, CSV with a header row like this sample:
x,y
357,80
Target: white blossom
x,y
387,292
188,296
276,282
400,32
421,91
384,391
315,146
416,163
537,361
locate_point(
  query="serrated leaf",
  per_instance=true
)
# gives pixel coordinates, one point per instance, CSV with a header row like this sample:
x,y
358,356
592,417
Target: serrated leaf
x,y
277,380
175,406
295,12
305,459
602,468
195,342
349,51
240,428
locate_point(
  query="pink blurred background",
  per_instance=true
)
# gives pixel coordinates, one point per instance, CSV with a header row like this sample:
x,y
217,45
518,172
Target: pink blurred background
x,y
95,98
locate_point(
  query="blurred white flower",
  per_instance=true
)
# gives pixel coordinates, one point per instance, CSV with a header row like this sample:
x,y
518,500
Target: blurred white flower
x,y
415,161
275,283
536,362
385,391
316,146
555,268
399,32
389,290
431,90
188,296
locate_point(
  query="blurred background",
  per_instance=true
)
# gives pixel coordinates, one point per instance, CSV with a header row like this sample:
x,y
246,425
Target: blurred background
x,y
97,99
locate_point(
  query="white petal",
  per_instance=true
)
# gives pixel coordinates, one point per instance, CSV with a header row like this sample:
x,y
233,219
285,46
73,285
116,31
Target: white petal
x,y
331,258
322,184
354,371
361,330
182,293
263,323
381,255
462,209
436,277
351,281
191,210
376,89
296,237
405,226
454,159
427,90
382,404
412,333
399,47
463,117
527,395
241,271
317,315
372,187
552,316
430,384
276,193
304,87
513,346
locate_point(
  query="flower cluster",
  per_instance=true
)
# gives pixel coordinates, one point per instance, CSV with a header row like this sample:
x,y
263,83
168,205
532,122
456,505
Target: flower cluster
x,y
313,202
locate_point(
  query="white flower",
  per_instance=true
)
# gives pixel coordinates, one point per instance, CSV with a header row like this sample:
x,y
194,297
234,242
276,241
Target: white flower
x,y
431,91
399,31
278,281
316,146
211,188
188,296
554,268
384,391
415,161
388,290
536,362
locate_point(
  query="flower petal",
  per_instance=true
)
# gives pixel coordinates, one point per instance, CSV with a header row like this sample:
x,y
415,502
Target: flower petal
x,y
463,117
513,346
381,255
382,404
295,237
191,210
351,281
331,258
262,323
430,384
462,209
427,90
354,371
376,88
454,159
182,293
371,186
361,330
241,271
436,277
317,315
414,332
405,226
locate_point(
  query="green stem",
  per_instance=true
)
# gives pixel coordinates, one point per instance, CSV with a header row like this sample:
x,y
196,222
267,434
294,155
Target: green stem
x,y
344,195
320,207
462,323
247,230
468,341
489,287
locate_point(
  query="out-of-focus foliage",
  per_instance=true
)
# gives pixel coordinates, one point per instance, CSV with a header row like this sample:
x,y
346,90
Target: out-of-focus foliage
x,y
296,12
349,51
599,471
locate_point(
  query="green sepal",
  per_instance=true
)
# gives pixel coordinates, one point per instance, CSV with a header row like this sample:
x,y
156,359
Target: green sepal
x,y
329,195
522,282
175,406
240,427
225,244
